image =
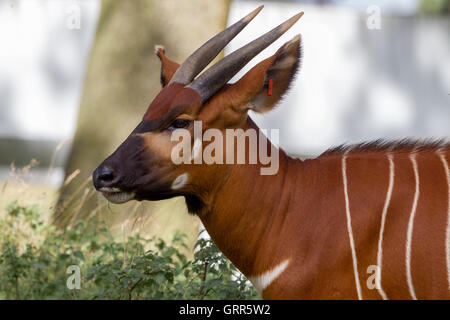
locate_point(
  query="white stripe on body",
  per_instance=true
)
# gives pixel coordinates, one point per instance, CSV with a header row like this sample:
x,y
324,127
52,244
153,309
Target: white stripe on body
x,y
349,227
447,238
383,221
411,227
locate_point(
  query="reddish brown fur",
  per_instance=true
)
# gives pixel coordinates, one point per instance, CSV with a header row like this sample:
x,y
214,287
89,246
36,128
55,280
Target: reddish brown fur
x,y
300,214
168,66
174,96
259,221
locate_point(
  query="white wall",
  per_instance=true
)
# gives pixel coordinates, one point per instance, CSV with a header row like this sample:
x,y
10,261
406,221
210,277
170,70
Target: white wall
x,y
355,84
42,63
44,52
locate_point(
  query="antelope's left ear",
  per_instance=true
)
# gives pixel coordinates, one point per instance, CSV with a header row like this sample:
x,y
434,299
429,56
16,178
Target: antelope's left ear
x,y
266,83
168,66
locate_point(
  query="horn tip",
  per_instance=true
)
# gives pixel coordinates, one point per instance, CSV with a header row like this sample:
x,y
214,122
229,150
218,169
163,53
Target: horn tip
x,y
290,22
252,14
297,16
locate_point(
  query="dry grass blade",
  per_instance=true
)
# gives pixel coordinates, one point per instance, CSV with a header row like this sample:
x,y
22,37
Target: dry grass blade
x,y
59,211
72,176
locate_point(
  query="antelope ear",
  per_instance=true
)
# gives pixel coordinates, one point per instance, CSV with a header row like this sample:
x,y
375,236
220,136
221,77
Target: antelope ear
x,y
266,83
168,66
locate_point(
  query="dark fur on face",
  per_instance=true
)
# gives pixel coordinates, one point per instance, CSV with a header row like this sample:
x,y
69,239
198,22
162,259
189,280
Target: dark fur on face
x,y
141,167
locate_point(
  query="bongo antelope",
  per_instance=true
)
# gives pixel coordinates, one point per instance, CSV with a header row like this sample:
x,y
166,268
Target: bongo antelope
x,y
317,228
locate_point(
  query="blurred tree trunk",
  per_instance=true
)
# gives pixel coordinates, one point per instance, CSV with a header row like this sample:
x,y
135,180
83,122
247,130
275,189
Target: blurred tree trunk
x,y
122,79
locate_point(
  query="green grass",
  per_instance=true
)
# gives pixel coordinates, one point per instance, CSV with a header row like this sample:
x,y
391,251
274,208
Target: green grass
x,y
37,258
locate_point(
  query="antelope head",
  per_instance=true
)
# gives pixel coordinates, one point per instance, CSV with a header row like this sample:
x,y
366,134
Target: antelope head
x,y
142,168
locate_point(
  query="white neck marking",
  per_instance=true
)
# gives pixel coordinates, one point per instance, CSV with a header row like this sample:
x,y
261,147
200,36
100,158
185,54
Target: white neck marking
x,y
180,181
262,281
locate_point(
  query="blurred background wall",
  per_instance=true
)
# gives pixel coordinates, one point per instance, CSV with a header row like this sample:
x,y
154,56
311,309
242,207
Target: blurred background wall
x,y
371,69
45,50
117,79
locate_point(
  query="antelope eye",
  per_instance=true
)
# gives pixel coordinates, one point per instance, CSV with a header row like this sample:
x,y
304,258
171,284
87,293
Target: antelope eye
x,y
179,124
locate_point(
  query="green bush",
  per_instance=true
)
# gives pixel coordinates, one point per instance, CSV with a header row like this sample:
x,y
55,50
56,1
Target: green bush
x,y
35,259
435,6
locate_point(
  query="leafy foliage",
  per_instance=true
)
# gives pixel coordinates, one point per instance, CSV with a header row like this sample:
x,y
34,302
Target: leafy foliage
x,y
34,261
435,6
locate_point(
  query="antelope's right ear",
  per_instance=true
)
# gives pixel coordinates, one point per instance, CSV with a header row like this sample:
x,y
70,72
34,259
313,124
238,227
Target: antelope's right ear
x,y
261,88
168,66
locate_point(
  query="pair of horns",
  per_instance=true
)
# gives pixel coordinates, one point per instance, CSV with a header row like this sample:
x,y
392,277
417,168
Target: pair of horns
x,y
220,73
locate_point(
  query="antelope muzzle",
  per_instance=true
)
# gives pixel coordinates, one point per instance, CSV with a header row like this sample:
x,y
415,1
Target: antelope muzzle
x,y
117,177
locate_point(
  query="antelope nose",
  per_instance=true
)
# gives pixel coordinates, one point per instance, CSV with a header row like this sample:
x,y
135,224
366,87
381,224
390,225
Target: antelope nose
x,y
103,176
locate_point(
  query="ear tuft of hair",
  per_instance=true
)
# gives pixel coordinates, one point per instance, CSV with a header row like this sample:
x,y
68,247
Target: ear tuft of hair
x,y
168,67
159,49
290,59
283,71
